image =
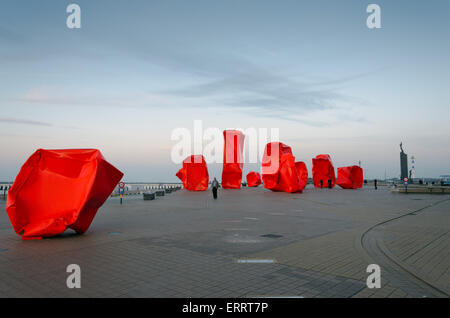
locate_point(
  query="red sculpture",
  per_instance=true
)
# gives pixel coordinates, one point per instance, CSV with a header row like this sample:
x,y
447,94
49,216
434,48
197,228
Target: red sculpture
x,y
194,173
253,179
233,160
323,170
350,177
302,173
279,170
59,189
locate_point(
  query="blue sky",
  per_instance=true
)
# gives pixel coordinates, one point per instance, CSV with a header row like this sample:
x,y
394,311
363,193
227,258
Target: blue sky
x,y
136,70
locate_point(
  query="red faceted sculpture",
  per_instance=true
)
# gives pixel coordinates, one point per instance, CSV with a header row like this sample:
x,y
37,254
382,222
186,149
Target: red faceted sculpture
x,y
59,189
253,179
323,170
233,160
350,177
279,170
194,173
302,173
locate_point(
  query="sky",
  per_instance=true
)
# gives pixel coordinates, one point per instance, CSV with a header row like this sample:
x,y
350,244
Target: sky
x,y
137,70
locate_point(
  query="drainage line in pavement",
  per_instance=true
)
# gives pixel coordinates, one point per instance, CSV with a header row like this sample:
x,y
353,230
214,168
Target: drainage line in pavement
x,y
395,261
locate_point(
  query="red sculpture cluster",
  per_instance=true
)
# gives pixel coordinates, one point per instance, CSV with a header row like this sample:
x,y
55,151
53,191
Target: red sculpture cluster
x,y
280,172
59,189
350,177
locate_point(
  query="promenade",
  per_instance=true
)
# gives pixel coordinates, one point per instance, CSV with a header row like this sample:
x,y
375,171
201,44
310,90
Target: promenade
x,y
248,243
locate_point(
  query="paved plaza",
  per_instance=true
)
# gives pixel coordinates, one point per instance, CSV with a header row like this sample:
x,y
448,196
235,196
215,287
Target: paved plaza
x,y
249,243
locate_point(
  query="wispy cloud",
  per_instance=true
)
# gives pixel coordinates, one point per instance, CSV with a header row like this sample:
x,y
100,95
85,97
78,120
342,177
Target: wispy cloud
x,y
230,79
51,96
268,94
21,121
45,96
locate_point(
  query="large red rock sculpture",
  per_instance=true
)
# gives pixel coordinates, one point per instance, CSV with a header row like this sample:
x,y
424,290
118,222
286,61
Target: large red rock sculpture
x,y
302,173
253,179
233,160
323,170
59,189
279,170
350,177
194,173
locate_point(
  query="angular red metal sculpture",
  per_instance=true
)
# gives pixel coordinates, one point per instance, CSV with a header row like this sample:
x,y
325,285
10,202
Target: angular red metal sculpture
x,y
302,173
233,160
59,189
350,177
253,179
323,170
279,170
194,173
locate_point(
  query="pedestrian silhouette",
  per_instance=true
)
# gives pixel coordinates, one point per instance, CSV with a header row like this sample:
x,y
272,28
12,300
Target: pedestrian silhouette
x,y
215,186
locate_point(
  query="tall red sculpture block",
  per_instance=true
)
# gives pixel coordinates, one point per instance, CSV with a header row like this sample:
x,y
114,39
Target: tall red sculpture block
x,y
233,160
253,179
280,172
350,177
323,170
59,189
194,173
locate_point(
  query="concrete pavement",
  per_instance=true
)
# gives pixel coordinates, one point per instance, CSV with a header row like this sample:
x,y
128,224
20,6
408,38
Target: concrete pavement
x,y
185,244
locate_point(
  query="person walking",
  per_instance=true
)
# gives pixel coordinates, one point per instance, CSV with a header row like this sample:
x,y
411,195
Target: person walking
x,y
215,186
375,183
329,184
321,183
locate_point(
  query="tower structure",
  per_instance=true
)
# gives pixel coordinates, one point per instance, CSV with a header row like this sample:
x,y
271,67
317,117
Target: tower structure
x,y
403,163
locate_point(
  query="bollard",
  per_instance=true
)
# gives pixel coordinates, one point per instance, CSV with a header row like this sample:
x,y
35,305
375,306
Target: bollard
x,y
148,196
